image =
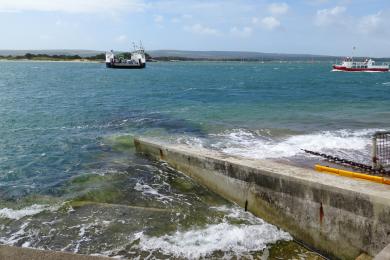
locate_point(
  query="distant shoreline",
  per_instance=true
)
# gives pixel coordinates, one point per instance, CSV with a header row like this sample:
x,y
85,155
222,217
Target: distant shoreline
x,y
50,60
42,57
164,60
182,55
168,61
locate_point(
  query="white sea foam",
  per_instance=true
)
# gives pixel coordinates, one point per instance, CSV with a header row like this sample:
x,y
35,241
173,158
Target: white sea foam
x,y
148,190
15,237
83,238
236,239
25,234
386,83
248,144
28,211
237,213
190,140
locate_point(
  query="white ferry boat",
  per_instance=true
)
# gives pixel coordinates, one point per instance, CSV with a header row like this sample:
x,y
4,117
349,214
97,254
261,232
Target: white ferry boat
x,y
137,59
367,66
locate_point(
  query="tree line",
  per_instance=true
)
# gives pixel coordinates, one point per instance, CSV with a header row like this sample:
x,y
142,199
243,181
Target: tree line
x,y
98,57
30,56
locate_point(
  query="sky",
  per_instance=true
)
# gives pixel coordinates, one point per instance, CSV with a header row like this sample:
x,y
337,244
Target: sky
x,y
328,27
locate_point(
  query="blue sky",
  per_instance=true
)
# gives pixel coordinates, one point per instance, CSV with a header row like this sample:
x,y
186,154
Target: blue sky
x,y
301,26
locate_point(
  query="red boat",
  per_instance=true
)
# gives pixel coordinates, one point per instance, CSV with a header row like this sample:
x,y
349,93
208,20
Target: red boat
x,y
367,66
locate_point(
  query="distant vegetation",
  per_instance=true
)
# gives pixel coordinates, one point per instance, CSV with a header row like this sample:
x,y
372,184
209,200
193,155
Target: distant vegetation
x,y
61,57
46,57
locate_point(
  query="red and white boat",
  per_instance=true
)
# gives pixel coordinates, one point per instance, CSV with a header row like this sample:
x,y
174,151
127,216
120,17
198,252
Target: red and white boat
x,y
367,66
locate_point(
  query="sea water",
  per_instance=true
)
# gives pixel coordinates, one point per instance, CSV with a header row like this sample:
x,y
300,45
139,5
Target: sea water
x,y
70,179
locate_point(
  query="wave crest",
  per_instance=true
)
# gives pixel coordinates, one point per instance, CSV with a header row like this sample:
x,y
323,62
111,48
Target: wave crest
x,y
242,142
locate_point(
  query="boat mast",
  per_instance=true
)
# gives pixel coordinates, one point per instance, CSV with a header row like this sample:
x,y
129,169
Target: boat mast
x,y
353,52
141,47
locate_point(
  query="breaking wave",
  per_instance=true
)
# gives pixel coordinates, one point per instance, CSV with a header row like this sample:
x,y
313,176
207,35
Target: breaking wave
x,y
236,239
241,142
28,211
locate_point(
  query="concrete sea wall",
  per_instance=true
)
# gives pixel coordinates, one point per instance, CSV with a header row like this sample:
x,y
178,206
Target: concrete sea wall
x,y
340,217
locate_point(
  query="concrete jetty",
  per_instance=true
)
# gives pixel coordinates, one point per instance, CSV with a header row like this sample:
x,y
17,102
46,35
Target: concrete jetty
x,y
340,217
384,254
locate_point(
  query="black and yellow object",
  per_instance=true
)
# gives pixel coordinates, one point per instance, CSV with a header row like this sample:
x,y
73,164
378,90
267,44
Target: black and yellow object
x,y
350,174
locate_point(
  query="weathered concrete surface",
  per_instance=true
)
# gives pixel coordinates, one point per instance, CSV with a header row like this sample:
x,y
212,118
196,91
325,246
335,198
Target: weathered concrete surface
x,y
18,253
384,254
338,216
364,256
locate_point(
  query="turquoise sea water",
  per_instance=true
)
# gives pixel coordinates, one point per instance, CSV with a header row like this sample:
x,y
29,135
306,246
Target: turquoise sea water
x,y
67,160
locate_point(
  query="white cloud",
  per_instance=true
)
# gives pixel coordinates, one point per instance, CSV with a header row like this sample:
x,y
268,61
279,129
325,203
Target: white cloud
x,y
270,23
181,18
371,23
330,16
278,8
175,20
158,18
338,19
9,11
73,6
121,38
241,32
200,29
317,2
186,16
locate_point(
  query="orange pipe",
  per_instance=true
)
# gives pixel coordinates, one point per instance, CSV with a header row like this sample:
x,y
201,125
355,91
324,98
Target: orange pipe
x,y
349,174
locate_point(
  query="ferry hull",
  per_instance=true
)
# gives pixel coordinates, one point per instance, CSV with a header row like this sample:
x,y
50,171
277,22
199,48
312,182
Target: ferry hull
x,y
342,68
125,66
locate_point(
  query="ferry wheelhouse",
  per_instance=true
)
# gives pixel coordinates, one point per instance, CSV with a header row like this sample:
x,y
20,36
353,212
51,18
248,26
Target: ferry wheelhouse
x,y
368,65
137,59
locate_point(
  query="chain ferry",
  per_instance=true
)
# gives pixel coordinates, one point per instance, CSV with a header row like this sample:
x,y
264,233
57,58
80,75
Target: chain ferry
x,y
367,66
137,59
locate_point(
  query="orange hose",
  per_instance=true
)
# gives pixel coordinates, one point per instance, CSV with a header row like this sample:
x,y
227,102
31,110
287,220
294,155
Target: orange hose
x,y
349,174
